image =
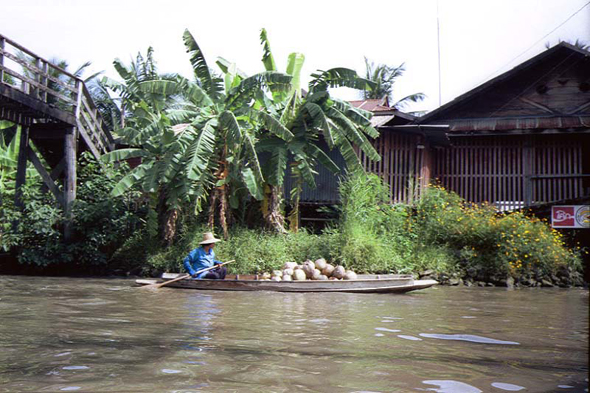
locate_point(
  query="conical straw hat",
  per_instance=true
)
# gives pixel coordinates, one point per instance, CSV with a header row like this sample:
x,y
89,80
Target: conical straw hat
x,y
208,238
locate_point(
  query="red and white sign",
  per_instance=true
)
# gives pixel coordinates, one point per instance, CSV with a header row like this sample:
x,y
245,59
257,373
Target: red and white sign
x,y
570,216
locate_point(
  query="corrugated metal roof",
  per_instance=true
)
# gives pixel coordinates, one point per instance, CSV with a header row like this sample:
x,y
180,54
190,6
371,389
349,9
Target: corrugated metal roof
x,y
371,105
378,121
537,123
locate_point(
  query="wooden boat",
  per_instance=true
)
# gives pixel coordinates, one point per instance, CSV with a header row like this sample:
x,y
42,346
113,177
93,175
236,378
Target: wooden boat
x,y
365,283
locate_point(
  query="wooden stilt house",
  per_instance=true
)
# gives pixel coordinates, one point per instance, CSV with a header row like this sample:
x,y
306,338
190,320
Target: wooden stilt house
x,y
57,116
523,138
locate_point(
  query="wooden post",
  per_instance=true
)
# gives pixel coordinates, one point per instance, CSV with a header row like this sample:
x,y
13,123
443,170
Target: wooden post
x,y
2,46
70,179
21,169
527,161
44,81
426,169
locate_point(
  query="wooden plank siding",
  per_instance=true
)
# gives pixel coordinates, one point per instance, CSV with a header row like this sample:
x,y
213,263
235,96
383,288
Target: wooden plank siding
x,y
498,169
402,163
487,169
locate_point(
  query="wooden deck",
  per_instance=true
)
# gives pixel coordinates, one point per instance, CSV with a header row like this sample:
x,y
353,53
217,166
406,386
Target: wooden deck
x,y
56,112
34,91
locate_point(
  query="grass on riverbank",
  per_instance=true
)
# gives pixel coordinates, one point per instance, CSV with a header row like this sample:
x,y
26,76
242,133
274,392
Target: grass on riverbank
x,y
440,232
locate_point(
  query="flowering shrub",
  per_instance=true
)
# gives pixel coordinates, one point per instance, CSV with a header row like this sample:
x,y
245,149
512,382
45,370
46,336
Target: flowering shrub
x,y
488,243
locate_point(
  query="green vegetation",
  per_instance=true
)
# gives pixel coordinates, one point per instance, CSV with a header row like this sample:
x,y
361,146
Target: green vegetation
x,y
101,222
201,143
440,232
384,78
200,140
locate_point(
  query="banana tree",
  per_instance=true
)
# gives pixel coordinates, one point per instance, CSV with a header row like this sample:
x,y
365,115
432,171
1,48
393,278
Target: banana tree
x,y
312,119
197,138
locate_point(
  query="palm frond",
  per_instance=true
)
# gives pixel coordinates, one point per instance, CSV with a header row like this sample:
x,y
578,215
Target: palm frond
x,y
201,150
267,57
131,179
161,87
224,65
123,154
277,165
324,159
351,132
227,121
320,121
211,85
246,90
338,77
416,97
274,125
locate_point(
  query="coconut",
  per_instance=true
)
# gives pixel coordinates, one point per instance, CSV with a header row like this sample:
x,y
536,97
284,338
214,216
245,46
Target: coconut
x,y
299,275
277,273
320,263
287,272
350,275
287,277
309,263
289,265
315,275
322,277
275,278
333,278
339,272
328,270
308,269
265,275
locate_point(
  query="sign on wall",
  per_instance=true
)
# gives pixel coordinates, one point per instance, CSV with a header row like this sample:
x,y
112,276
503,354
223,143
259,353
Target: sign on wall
x,y
570,216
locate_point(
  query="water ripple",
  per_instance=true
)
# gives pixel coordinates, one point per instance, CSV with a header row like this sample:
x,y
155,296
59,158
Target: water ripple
x,y
387,330
170,371
507,386
412,338
449,386
468,337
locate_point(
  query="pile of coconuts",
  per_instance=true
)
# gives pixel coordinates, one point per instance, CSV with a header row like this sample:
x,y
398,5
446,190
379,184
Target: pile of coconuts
x,y
309,270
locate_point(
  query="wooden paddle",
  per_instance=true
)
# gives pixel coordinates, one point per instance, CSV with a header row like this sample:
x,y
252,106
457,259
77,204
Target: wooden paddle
x,y
160,285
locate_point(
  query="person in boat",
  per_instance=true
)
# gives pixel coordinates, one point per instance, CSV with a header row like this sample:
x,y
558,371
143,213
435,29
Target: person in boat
x,y
204,257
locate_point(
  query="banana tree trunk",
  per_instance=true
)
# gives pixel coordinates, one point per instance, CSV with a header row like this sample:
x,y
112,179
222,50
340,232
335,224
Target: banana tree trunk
x,y
170,225
220,197
211,215
295,197
273,216
167,219
223,210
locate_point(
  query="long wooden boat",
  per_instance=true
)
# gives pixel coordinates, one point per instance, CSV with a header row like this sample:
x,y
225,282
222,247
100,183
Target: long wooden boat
x,y
365,283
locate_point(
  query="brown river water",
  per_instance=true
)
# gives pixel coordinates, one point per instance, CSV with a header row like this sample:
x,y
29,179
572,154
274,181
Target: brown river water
x,y
106,335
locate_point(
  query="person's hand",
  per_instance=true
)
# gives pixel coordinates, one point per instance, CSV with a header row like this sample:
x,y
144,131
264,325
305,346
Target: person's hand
x,y
194,275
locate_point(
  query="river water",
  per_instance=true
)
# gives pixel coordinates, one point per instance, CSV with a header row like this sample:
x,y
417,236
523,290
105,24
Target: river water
x,y
105,335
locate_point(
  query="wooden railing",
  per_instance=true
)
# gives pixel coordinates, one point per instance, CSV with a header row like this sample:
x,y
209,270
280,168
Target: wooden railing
x,y
34,76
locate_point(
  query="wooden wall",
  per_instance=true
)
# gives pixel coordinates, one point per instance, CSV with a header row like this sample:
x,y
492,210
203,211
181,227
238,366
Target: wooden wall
x,y
510,171
517,170
403,166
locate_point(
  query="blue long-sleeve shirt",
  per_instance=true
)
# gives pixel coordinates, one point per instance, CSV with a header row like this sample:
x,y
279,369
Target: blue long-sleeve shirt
x,y
198,259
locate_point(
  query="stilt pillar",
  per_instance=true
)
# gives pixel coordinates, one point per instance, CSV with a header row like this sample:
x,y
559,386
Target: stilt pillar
x,y
70,179
21,168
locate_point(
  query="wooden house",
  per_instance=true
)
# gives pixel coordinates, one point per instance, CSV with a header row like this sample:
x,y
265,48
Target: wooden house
x,y
523,138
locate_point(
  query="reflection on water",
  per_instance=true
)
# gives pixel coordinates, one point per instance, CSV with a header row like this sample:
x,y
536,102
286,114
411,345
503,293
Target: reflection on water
x,y
468,337
452,387
99,335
